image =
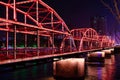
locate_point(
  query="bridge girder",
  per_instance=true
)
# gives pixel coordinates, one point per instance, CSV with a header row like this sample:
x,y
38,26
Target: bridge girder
x,y
35,17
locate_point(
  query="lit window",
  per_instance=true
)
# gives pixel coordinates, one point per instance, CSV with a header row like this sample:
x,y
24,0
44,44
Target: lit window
x,y
94,21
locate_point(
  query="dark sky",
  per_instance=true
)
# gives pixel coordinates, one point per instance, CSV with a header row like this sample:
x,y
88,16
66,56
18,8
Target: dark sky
x,y
77,13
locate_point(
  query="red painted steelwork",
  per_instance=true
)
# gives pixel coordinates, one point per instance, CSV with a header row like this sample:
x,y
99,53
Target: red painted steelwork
x,y
88,38
34,18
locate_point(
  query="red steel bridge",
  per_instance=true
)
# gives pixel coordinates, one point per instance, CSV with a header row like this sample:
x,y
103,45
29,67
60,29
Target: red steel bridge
x,y
31,29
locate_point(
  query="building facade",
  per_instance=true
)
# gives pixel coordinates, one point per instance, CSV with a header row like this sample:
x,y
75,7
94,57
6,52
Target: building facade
x,y
99,23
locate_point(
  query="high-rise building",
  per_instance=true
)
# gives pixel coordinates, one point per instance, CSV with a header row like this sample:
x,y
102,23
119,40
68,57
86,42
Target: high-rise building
x,y
99,23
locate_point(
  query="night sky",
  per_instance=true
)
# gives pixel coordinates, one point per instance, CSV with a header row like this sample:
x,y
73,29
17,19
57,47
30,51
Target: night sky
x,y
77,13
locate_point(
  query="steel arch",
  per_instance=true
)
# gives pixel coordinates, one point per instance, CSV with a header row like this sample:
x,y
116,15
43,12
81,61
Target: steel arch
x,y
86,36
37,19
44,18
105,41
31,17
68,44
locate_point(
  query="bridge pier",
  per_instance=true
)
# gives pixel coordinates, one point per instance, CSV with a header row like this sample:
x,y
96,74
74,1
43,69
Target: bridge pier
x,y
99,56
96,56
116,49
107,53
69,68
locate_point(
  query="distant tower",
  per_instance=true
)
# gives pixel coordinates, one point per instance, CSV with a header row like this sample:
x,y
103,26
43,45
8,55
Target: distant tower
x,y
99,23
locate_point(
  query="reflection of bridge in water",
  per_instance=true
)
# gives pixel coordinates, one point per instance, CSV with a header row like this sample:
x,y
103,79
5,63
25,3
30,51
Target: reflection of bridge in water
x,y
41,31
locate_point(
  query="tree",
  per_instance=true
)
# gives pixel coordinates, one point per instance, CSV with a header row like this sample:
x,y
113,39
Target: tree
x,y
114,8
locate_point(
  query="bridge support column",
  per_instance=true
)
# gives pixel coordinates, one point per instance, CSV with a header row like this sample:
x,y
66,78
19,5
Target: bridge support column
x,y
7,41
70,45
53,44
38,42
15,42
116,49
38,36
108,53
73,68
25,37
96,56
15,18
49,42
25,44
7,33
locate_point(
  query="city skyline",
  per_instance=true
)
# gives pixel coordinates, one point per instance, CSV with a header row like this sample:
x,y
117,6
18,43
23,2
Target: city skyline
x,y
77,13
99,23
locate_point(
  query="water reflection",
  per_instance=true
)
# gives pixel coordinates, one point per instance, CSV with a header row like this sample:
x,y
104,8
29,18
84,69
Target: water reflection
x,y
70,69
100,72
109,69
39,72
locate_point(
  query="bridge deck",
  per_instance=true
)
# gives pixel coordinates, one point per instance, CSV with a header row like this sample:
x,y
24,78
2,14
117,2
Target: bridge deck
x,y
23,59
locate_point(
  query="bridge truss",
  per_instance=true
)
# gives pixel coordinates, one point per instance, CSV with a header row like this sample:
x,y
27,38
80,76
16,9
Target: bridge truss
x,y
32,28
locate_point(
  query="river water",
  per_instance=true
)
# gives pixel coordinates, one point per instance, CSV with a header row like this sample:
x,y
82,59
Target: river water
x,y
109,70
